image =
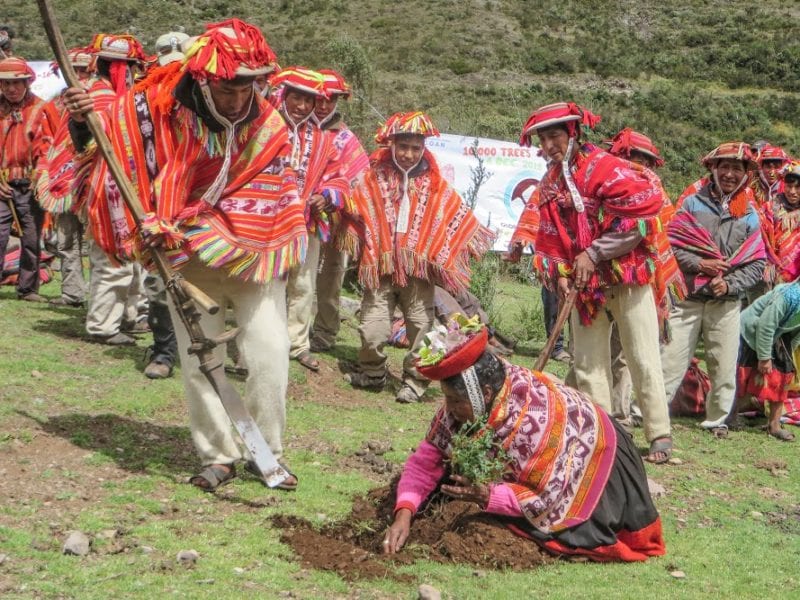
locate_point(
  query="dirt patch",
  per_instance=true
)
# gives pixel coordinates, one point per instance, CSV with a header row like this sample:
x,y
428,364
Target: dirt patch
x,y
446,531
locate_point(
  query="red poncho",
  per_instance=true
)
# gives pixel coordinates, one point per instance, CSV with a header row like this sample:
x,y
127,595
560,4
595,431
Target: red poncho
x,y
617,198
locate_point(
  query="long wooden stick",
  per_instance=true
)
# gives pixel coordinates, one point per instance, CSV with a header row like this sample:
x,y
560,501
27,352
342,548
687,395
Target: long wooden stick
x,y
563,314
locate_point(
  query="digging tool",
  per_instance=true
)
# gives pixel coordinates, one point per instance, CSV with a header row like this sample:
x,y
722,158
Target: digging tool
x,y
563,313
185,296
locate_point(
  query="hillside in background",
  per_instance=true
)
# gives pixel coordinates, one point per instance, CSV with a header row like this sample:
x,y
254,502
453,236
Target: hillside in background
x,y
690,74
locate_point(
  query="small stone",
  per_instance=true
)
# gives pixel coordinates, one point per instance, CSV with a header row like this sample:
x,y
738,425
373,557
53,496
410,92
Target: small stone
x,y
108,534
678,574
741,466
146,549
656,489
36,374
206,581
286,594
187,558
321,516
755,514
428,592
77,544
682,522
238,570
674,461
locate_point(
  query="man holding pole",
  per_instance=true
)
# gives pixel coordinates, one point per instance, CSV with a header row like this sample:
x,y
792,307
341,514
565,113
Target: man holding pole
x,y
206,155
598,220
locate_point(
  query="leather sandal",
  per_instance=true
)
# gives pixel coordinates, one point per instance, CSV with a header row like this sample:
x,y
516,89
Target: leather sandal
x,y
661,446
306,359
213,476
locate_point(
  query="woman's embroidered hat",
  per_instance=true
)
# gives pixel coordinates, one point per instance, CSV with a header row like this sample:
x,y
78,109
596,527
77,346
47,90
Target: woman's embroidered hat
x,y
628,140
412,123
15,68
733,150
302,79
334,84
450,350
117,47
227,50
567,113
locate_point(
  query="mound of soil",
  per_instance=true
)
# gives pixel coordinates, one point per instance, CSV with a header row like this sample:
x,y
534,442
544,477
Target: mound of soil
x,y
447,531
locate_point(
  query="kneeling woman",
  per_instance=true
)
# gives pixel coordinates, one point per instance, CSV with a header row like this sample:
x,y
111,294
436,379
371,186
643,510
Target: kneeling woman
x,y
574,483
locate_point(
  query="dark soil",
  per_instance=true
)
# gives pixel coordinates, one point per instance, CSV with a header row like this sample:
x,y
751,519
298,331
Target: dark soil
x,y
446,531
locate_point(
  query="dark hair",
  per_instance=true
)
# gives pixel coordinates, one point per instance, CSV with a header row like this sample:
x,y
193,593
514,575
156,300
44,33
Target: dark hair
x,y
103,67
489,370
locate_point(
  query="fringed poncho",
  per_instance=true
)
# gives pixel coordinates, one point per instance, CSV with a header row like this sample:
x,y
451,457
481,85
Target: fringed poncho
x,y
255,231
443,233
617,198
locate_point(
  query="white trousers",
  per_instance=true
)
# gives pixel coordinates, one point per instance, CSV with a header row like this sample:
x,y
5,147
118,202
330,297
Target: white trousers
x,y
301,291
116,294
260,311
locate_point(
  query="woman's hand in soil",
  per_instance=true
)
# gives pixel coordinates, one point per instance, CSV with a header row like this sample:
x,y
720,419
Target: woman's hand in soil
x,y
467,491
397,534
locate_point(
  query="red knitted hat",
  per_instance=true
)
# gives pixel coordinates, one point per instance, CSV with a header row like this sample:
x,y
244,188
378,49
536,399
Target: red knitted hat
x,y
770,152
416,122
14,68
229,49
334,84
300,78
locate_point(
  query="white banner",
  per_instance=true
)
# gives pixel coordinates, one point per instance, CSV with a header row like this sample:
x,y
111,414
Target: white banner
x,y
512,172
48,84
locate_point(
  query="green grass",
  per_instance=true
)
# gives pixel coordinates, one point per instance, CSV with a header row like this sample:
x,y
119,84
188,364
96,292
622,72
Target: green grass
x,y
121,451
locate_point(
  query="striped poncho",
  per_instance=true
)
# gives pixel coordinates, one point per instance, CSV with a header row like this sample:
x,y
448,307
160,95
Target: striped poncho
x,y
442,235
255,230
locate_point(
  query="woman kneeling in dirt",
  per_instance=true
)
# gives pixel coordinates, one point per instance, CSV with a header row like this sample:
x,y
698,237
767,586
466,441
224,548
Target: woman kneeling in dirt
x,y
573,481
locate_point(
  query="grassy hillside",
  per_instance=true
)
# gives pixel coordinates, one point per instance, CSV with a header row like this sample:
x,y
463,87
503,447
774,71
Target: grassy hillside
x,y
689,73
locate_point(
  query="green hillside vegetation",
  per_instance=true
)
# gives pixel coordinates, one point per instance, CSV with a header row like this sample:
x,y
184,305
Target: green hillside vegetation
x,y
690,74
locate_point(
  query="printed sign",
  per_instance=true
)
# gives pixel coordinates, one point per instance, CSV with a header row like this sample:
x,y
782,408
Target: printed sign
x,y
512,173
47,84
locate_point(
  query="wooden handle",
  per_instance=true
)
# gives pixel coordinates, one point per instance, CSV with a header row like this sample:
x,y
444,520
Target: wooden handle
x,y
563,314
200,297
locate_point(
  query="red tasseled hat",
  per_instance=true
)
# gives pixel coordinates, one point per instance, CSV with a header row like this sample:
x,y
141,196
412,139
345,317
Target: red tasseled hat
x,y
416,122
734,150
567,113
334,83
628,140
300,78
770,152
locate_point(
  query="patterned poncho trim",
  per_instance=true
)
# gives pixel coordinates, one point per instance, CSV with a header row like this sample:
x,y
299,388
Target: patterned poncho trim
x,y
443,233
255,231
617,198
561,447
787,239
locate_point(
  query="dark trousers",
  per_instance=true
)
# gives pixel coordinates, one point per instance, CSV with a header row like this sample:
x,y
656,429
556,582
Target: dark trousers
x,y
30,217
550,305
165,346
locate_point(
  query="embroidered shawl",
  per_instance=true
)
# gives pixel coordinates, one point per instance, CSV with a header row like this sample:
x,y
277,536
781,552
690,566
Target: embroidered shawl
x,y
443,232
617,198
561,447
255,231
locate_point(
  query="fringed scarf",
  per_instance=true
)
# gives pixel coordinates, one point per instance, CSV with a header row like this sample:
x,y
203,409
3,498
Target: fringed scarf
x,y
616,198
255,229
443,233
687,233
528,226
561,447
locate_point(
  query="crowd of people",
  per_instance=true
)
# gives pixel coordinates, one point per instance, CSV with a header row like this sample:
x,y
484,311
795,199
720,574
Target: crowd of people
x,y
258,193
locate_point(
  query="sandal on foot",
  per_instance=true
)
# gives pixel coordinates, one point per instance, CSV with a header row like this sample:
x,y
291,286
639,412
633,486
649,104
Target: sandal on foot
x,y
213,476
782,435
287,485
307,360
661,446
720,432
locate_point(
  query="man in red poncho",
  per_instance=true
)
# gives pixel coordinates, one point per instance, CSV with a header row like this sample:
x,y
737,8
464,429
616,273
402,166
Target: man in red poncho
x,y
25,136
598,219
207,156
413,232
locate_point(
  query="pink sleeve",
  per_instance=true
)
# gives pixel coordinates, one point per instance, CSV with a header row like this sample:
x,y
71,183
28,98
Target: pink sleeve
x,y
502,501
421,474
